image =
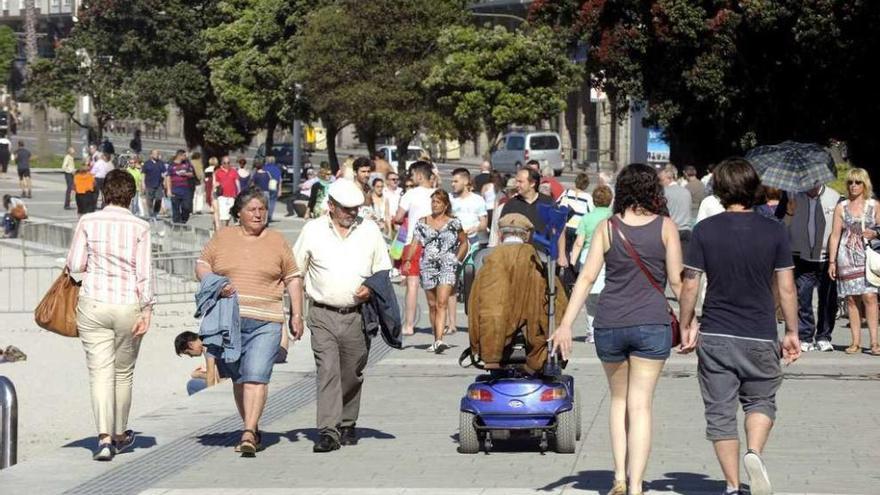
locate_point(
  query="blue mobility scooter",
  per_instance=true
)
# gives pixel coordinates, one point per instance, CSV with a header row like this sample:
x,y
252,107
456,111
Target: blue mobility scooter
x,y
509,403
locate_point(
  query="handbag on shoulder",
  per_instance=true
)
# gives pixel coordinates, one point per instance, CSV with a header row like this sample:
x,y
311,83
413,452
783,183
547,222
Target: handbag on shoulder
x,y
57,310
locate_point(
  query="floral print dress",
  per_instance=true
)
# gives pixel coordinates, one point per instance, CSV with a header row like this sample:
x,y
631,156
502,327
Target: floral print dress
x,y
439,263
851,279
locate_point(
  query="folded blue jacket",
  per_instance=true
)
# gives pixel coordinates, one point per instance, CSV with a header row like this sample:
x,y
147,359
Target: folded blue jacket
x,y
221,325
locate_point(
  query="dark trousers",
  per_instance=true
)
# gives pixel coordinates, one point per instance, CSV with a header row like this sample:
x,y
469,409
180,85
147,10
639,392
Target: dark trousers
x,y
181,205
811,275
99,188
86,202
154,201
69,179
341,349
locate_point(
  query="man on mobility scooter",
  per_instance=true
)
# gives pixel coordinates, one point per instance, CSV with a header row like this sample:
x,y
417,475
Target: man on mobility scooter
x,y
511,314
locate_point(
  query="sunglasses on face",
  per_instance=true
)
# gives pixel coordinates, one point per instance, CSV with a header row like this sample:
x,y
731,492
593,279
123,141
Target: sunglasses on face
x,y
856,182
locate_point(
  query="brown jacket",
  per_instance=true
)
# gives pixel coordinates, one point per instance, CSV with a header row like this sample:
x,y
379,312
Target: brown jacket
x,y
510,292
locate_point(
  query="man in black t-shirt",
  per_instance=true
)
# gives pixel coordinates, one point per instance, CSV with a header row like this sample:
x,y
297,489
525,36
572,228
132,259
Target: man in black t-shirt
x,y
741,253
526,203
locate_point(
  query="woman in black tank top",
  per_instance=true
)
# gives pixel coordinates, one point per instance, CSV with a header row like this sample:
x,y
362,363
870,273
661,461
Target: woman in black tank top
x,y
632,327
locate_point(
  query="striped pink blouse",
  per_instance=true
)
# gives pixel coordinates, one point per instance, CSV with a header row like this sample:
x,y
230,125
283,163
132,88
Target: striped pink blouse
x,y
112,247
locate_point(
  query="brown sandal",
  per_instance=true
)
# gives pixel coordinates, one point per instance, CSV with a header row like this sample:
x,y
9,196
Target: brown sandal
x,y
875,350
853,349
248,448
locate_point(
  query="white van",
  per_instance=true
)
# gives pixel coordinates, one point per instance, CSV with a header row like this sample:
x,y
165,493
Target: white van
x,y
515,149
390,154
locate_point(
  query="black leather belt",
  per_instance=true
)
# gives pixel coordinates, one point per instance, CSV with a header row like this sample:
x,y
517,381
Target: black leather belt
x,y
342,311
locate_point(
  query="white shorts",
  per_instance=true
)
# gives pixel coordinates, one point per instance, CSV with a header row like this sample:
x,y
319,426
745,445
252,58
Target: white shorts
x,y
224,204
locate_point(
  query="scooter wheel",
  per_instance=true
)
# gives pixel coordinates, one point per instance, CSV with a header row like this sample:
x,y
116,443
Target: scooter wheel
x,y
566,432
468,438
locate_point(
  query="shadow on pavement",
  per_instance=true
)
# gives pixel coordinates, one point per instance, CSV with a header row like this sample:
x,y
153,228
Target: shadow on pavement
x,y
677,482
312,434
89,443
514,444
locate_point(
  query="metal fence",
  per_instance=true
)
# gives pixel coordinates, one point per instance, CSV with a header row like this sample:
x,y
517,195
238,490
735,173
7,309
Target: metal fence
x,y
24,286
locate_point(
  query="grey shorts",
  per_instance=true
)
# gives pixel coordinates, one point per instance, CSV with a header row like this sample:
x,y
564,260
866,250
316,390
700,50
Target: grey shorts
x,y
734,369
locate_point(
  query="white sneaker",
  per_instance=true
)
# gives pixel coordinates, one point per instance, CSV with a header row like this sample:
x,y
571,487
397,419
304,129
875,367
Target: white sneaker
x,y
807,347
824,346
438,347
759,481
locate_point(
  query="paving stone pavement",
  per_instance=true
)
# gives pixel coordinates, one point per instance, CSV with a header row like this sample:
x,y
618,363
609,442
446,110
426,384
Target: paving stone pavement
x,y
825,441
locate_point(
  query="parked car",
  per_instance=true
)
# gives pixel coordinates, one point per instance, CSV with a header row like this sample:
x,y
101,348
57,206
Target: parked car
x,y
515,149
283,153
413,153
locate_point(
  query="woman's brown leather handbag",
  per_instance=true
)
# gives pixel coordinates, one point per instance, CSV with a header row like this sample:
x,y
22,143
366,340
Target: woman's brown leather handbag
x,y
57,311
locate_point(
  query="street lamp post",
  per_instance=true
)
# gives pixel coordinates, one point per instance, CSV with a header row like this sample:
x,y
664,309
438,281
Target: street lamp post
x,y
297,144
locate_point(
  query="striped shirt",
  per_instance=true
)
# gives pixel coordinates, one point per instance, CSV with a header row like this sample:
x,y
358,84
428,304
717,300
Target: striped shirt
x,y
257,266
113,248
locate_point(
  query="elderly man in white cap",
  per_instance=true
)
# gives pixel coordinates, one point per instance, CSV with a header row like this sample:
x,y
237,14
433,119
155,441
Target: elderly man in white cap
x,y
335,254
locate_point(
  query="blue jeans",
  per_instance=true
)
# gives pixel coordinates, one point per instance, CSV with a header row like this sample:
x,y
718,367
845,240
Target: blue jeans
x,y
273,198
259,345
615,345
810,275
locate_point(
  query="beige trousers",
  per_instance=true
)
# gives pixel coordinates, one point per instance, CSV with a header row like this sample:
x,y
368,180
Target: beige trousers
x,y
111,351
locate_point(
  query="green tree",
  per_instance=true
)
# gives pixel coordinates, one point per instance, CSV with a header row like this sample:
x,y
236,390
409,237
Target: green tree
x,y
79,69
251,56
364,63
8,49
489,79
722,77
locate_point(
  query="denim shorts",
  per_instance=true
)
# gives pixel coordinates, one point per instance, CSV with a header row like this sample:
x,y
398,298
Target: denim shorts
x,y
614,345
259,345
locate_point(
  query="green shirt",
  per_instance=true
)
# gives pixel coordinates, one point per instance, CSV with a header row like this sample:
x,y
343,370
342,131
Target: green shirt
x,y
588,225
138,177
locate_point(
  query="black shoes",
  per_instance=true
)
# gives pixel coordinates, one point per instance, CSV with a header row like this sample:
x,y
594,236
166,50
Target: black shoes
x,y
347,435
326,443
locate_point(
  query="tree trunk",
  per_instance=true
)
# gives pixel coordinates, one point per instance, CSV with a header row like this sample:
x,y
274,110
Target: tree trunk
x,y
40,112
368,134
332,131
402,149
271,124
30,33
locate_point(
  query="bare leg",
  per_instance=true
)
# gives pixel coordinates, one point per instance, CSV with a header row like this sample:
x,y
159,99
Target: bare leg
x,y
431,296
238,393
758,428
617,375
253,403
870,302
412,296
643,376
442,296
855,320
727,452
451,313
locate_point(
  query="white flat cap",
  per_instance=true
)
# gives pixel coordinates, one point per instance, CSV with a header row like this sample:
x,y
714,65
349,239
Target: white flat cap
x,y
346,193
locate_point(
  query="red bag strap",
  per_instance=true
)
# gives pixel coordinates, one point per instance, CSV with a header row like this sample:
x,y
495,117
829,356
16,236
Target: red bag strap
x,y
631,251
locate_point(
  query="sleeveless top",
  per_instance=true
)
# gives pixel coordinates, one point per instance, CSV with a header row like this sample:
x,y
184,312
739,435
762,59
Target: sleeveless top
x,y
628,298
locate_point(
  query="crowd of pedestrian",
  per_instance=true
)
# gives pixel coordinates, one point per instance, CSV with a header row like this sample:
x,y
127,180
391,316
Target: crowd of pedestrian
x,y
763,253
